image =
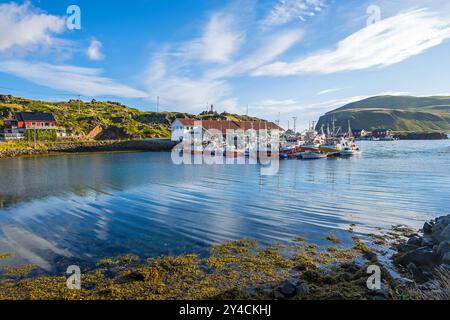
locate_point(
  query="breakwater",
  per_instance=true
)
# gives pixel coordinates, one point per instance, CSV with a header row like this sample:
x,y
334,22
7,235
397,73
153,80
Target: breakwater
x,y
27,149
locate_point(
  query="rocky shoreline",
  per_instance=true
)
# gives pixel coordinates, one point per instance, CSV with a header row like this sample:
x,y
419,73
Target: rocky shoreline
x,y
244,270
87,146
426,251
422,136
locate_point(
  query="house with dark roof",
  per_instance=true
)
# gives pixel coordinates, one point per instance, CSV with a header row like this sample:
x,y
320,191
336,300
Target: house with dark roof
x,y
180,127
359,133
16,127
381,133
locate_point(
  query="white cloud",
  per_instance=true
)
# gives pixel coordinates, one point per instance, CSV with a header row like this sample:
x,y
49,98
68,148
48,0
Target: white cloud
x,y
287,10
22,26
385,43
165,79
195,73
220,40
273,102
327,91
85,81
94,52
272,46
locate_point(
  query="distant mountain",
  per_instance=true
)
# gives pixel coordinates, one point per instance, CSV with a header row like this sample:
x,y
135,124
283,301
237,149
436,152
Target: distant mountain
x,y
115,120
398,113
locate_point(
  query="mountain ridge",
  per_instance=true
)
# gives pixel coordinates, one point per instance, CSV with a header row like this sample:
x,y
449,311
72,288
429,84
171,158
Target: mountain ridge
x,y
398,113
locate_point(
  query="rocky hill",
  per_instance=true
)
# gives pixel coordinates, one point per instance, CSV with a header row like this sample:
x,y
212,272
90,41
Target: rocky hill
x,y
398,113
107,119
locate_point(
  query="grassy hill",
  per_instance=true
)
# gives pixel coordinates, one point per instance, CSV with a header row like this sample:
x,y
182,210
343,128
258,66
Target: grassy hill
x,y
398,113
118,121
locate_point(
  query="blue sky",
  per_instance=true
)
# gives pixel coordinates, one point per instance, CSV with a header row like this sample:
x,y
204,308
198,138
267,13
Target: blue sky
x,y
287,58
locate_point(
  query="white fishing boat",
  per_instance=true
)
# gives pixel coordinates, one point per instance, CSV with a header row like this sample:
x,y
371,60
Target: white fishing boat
x,y
350,151
312,155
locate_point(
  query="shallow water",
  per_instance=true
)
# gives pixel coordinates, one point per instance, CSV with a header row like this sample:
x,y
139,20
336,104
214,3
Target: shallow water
x,y
56,210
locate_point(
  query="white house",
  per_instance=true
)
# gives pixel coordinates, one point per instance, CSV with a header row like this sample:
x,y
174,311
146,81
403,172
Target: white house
x,y
181,127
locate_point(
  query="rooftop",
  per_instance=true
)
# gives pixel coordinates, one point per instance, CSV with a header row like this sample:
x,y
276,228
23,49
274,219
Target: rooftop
x,y
224,125
35,116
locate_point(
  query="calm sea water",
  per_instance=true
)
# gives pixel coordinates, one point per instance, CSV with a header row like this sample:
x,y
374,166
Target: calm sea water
x,y
57,210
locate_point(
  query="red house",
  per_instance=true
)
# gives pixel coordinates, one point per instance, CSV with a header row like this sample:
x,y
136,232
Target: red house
x,y
21,121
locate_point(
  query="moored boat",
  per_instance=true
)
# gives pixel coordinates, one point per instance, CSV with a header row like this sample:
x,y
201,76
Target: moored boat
x,y
312,155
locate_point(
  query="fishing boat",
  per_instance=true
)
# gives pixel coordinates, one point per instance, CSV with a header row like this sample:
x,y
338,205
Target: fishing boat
x,y
351,150
312,155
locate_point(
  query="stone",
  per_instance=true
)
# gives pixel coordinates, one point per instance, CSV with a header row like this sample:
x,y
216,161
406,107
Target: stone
x,y
288,289
415,241
444,219
443,248
437,229
420,257
445,234
302,289
428,242
417,274
446,258
406,248
427,228
277,295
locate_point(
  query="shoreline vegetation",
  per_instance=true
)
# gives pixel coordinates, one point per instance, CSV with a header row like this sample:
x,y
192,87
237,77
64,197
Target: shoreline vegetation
x,y
242,270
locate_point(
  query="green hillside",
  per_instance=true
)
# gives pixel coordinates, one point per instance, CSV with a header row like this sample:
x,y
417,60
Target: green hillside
x,y
398,113
118,121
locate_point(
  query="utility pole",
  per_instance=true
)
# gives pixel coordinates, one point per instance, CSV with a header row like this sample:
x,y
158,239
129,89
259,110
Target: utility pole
x,y
295,124
35,138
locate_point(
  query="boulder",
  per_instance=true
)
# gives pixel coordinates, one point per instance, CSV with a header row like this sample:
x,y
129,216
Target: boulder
x,y
446,258
428,241
437,229
420,257
427,228
406,248
445,234
288,289
443,248
417,274
444,219
415,241
302,289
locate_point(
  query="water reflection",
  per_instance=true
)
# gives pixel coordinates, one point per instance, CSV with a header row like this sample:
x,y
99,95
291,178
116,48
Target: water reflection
x,y
96,205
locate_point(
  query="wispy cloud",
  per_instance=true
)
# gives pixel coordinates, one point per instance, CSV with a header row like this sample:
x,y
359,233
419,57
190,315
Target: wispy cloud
x,y
327,91
24,27
192,74
273,102
221,38
287,10
385,43
85,81
94,51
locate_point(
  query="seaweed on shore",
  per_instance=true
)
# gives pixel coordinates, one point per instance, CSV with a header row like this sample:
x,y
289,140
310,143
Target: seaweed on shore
x,y
234,270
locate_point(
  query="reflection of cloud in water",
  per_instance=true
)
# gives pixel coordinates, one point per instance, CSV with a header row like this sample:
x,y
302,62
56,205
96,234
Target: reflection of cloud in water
x,y
30,247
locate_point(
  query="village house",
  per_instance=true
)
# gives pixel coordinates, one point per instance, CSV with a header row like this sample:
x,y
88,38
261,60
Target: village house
x,y
181,127
359,133
381,133
16,127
